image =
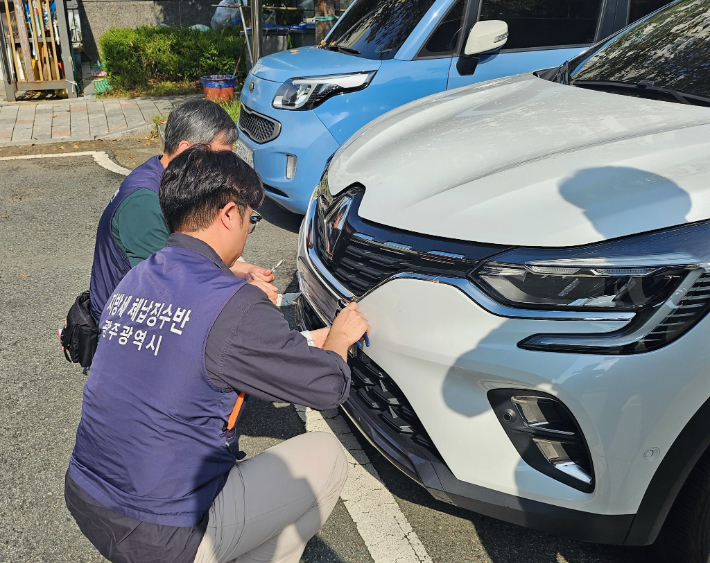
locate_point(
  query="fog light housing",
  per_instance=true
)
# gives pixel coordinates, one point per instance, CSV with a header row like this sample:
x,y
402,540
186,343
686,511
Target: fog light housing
x,y
545,434
291,164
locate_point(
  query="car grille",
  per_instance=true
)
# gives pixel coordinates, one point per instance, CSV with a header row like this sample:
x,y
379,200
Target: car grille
x,y
372,386
364,264
258,127
367,254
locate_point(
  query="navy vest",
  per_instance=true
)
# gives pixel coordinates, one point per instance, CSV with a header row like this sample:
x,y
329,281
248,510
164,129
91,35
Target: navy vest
x,y
110,263
152,442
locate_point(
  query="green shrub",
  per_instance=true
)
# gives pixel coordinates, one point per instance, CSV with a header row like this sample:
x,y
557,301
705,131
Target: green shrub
x,y
133,57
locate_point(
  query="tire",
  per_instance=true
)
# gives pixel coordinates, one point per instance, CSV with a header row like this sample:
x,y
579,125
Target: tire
x,y
685,536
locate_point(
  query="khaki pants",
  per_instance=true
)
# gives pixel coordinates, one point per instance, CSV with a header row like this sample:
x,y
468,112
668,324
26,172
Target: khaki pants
x,y
273,503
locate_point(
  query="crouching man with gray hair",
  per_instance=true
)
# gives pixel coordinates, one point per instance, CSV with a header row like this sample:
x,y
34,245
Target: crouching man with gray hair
x,y
156,474
132,226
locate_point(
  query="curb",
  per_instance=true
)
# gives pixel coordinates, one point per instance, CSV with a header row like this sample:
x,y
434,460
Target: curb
x,y
134,132
139,131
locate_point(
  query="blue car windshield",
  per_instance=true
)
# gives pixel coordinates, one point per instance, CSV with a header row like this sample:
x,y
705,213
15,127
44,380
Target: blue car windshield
x,y
376,29
666,55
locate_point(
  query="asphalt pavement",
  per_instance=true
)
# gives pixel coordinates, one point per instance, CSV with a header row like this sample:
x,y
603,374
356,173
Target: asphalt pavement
x,y
49,209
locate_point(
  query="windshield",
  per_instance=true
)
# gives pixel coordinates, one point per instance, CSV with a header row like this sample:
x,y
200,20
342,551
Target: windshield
x,y
376,29
667,50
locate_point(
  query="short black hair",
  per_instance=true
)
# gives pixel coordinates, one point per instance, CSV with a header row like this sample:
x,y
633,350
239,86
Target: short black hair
x,y
198,122
199,182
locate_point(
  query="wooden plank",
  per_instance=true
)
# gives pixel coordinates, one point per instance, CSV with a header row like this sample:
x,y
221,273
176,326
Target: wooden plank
x,y
24,40
43,85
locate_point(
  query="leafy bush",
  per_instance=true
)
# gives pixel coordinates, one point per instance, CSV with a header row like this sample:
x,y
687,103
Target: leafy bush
x,y
133,57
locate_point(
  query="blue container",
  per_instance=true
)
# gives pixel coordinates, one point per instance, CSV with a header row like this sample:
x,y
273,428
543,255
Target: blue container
x,y
219,87
219,81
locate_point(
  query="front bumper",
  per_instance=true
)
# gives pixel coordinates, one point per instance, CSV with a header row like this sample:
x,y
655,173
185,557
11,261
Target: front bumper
x,y
410,454
301,134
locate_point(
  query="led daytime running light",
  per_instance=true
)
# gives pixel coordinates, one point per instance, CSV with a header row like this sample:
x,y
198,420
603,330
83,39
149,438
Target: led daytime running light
x,y
309,92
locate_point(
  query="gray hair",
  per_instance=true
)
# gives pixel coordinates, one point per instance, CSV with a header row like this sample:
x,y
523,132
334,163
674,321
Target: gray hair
x,y
199,122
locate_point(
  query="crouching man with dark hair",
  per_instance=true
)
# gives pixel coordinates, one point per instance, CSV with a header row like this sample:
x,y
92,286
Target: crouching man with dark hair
x,y
132,226
156,474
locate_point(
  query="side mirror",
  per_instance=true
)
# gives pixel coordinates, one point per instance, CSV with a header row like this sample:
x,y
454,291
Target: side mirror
x,y
486,36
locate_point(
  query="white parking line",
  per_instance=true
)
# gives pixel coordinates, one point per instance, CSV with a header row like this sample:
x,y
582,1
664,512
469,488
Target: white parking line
x,y
385,530
100,157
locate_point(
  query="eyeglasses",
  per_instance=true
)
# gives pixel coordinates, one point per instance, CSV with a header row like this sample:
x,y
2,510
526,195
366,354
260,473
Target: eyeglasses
x,y
253,221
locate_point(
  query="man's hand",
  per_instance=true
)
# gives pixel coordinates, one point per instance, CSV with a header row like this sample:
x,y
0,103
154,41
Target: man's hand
x,y
258,276
244,269
348,328
272,292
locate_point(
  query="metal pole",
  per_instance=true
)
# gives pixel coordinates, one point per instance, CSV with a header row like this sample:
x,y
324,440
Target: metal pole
x,y
65,44
257,29
246,35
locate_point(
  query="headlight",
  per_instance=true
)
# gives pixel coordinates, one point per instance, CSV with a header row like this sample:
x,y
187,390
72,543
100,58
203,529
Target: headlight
x,y
578,288
662,277
307,93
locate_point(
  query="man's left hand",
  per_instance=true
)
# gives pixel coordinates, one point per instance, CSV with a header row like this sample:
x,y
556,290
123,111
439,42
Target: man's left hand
x,y
258,276
244,270
272,292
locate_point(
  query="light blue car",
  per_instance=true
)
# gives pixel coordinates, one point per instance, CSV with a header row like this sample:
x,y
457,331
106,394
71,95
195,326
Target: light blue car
x,y
299,106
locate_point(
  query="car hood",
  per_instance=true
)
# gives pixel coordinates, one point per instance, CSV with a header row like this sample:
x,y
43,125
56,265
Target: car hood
x,y
524,161
309,61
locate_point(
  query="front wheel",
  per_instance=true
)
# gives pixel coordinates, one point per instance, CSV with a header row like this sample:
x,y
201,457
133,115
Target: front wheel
x,y
685,537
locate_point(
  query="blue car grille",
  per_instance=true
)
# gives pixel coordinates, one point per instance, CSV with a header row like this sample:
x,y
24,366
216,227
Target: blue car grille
x,y
258,127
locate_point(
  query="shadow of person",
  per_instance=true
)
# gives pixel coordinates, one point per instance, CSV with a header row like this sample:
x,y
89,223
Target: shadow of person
x,y
318,551
618,200
265,424
279,216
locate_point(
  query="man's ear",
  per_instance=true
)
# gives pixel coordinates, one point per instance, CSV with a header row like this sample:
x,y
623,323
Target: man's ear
x,y
183,145
229,214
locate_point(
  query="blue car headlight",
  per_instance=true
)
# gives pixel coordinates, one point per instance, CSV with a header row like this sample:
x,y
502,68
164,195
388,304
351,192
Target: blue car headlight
x,y
308,93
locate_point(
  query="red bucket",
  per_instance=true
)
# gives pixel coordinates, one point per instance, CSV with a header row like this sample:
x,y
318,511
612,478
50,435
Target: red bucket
x,y
219,87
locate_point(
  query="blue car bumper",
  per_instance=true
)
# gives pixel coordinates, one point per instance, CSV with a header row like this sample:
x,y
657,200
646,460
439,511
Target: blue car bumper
x,y
302,135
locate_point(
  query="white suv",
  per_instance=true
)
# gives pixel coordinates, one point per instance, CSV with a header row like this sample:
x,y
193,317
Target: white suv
x,y
533,256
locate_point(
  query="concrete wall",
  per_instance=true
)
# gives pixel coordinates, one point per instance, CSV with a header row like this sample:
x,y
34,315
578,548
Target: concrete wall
x,y
97,16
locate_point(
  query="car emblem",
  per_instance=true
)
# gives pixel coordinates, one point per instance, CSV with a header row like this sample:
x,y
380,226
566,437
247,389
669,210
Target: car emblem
x,y
251,86
334,223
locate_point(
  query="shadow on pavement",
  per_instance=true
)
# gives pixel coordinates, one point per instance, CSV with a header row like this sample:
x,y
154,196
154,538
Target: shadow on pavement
x,y
319,551
280,217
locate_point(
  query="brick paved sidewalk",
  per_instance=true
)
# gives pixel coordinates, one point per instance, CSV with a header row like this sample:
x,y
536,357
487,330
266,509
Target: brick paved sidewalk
x,y
25,123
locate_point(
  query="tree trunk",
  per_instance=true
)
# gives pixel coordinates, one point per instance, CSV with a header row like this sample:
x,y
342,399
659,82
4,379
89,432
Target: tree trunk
x,y
325,18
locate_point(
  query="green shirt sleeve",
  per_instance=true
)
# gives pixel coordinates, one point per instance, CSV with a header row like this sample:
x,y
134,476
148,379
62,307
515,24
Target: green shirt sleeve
x,y
138,226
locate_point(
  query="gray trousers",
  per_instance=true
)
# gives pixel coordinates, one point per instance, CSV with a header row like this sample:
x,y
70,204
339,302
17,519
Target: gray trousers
x,y
274,502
